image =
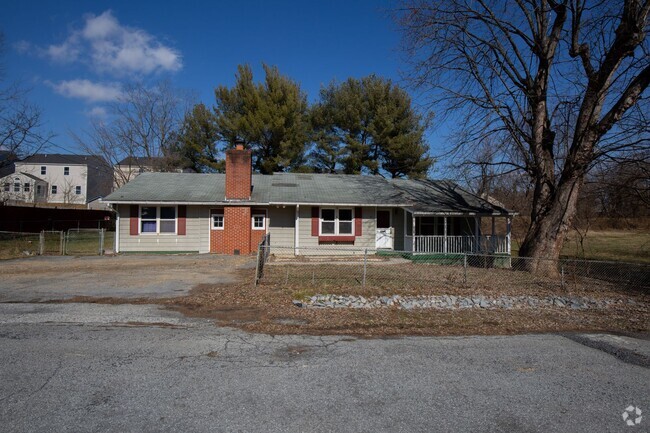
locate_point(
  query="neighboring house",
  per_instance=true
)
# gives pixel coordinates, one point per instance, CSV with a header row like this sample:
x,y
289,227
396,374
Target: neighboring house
x,y
231,213
56,178
127,169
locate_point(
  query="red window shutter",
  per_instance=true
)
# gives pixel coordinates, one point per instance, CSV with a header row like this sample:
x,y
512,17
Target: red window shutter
x,y
314,220
133,221
182,218
358,221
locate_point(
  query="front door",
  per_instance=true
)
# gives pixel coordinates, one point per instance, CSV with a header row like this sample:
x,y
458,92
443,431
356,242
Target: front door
x,y
385,231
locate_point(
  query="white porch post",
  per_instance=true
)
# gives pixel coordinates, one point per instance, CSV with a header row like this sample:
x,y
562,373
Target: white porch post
x,y
445,235
508,230
296,234
493,241
477,239
116,240
413,231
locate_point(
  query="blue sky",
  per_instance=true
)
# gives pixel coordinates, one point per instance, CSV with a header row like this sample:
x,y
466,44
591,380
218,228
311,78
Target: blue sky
x,y
75,55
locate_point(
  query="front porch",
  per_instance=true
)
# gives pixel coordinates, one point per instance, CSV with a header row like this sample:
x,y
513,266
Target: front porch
x,y
462,234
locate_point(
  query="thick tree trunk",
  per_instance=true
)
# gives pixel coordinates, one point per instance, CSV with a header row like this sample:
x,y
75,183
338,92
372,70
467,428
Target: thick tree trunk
x,y
548,228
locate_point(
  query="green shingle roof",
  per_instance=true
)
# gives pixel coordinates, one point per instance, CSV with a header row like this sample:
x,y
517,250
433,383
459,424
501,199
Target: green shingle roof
x,y
425,196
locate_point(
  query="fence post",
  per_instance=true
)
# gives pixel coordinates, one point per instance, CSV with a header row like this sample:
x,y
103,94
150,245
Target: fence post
x,y
41,243
257,267
465,268
101,242
62,242
365,267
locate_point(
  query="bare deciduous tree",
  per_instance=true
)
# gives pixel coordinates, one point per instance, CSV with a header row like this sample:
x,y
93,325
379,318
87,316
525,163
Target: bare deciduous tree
x,y
560,83
142,125
21,122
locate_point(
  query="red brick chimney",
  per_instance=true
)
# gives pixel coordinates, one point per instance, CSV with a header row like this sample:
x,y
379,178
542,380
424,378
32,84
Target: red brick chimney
x,y
238,173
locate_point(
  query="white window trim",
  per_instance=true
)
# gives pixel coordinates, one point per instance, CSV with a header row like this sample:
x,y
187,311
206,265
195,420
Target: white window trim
x,y
54,189
157,232
336,221
263,215
78,188
211,220
43,170
68,171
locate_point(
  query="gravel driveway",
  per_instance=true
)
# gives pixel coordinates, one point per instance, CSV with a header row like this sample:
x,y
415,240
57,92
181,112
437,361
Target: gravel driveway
x,y
131,276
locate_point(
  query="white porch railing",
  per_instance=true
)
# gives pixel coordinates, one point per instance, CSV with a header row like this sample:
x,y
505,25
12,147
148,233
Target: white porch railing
x,y
462,244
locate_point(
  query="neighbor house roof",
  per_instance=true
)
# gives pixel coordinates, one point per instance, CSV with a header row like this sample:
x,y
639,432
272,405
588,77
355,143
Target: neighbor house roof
x,y
7,170
57,158
31,176
420,196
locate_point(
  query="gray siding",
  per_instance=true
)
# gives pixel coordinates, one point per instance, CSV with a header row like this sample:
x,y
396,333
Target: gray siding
x,y
308,244
282,226
398,225
196,239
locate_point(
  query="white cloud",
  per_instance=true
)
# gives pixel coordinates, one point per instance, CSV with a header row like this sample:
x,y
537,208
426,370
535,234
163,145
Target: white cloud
x,y
67,52
113,48
97,112
88,90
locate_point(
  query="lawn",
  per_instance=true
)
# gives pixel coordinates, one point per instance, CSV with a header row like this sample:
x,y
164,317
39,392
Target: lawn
x,y
17,245
615,245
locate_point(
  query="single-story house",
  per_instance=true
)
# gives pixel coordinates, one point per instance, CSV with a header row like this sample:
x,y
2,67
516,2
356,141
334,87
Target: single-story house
x,y
231,213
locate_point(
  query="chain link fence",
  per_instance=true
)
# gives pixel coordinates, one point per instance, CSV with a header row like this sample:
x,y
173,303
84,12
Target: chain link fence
x,y
76,242
340,268
17,244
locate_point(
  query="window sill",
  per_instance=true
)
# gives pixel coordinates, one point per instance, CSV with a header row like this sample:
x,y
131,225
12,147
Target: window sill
x,y
157,234
333,238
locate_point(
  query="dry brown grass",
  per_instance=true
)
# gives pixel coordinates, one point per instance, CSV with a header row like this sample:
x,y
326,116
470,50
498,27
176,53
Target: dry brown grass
x,y
268,308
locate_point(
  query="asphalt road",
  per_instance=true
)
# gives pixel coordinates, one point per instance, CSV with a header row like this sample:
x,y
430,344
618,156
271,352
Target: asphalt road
x,y
127,368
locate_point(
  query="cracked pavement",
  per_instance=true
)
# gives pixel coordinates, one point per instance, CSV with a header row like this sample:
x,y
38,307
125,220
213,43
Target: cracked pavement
x,y
92,367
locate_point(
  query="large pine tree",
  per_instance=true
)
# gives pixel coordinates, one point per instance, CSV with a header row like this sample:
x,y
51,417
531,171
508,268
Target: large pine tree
x,y
368,125
270,117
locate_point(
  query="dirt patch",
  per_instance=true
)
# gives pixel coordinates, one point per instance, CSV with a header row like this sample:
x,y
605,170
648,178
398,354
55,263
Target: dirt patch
x,y
134,277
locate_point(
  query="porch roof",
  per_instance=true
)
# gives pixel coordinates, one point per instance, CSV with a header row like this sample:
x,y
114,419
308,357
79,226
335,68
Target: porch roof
x,y
431,197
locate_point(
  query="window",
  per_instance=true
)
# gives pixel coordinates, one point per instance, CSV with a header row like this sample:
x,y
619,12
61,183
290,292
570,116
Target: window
x,y
54,188
39,190
77,190
17,185
7,187
217,220
148,221
328,221
66,171
43,169
345,221
259,221
26,187
167,220
336,222
158,219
